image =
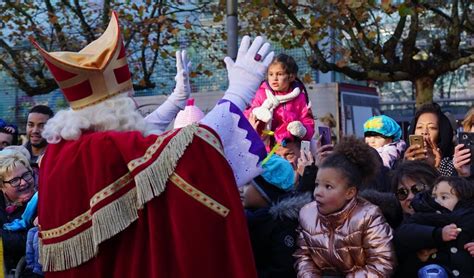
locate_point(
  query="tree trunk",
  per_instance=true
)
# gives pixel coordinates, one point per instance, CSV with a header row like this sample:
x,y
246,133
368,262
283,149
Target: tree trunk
x,y
424,90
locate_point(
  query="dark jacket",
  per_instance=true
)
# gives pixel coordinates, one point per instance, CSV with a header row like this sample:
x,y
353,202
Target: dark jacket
x,y
307,182
14,243
388,204
273,235
424,230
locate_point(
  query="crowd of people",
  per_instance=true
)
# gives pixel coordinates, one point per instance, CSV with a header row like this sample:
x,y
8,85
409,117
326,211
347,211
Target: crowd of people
x,y
98,190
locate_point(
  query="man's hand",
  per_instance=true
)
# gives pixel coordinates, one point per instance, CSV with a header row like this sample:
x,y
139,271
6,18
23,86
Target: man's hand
x,y
182,89
248,70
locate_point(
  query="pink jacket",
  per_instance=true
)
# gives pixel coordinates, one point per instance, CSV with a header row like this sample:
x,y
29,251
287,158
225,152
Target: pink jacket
x,y
294,110
356,242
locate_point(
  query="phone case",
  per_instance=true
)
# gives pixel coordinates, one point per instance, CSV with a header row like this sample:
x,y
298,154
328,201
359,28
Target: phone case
x,y
325,133
417,140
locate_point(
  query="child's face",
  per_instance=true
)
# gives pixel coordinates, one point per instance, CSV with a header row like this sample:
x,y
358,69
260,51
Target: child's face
x,y
443,194
377,141
332,191
251,198
278,79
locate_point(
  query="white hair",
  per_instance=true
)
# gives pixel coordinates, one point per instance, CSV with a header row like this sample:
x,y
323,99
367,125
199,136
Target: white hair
x,y
118,113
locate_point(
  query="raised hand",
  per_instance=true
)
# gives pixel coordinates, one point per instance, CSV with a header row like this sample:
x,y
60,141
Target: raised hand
x,y
182,89
248,71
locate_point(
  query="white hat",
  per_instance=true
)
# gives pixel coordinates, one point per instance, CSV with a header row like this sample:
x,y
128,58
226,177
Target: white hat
x,y
190,114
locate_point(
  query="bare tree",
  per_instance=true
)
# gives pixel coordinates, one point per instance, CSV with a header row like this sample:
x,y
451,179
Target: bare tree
x,y
151,31
414,40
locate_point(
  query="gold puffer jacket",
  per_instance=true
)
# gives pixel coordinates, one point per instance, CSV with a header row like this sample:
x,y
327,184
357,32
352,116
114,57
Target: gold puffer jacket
x,y
355,242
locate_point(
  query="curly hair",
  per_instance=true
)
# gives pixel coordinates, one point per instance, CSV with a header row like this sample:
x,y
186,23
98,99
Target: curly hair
x,y
117,113
461,187
355,160
416,170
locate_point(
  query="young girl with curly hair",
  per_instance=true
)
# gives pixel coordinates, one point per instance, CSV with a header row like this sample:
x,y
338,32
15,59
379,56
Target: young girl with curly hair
x,y
340,233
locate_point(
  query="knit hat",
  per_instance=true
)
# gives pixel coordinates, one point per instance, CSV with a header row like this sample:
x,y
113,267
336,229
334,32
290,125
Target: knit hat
x,y
190,114
277,178
384,126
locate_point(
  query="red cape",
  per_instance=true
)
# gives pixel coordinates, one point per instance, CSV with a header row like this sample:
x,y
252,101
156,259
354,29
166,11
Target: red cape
x,y
117,204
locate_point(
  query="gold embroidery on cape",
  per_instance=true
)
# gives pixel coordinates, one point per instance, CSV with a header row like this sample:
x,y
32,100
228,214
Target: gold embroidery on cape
x,y
132,165
199,195
69,226
85,217
211,139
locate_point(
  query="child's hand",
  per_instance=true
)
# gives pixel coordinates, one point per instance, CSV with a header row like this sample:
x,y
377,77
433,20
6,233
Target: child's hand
x,y
424,254
450,232
470,248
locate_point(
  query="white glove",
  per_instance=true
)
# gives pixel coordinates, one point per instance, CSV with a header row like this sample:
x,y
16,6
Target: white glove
x,y
264,113
297,129
246,74
182,90
166,112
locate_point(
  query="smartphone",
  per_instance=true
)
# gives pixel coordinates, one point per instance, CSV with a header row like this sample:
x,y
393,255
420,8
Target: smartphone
x,y
467,138
305,146
325,133
417,140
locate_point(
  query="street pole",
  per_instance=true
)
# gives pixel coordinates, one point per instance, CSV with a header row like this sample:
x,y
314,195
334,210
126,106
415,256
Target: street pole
x,y
232,21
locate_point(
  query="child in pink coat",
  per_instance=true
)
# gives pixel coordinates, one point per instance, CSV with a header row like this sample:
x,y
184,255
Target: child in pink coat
x,y
281,103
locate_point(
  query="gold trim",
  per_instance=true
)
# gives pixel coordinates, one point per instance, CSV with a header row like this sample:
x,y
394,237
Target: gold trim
x,y
86,216
211,139
117,215
111,189
132,165
68,227
199,195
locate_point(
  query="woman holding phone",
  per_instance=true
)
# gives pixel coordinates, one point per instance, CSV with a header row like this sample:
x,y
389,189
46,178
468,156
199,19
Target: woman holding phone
x,y
462,158
438,147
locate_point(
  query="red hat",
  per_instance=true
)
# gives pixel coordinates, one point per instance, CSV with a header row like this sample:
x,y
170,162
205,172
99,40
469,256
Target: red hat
x,y
94,74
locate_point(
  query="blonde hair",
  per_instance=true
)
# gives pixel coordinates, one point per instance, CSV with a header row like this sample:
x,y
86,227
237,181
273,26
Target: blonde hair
x,y
468,119
118,113
10,158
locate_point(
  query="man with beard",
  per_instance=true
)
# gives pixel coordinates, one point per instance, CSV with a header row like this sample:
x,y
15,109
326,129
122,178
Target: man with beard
x,y
37,118
117,201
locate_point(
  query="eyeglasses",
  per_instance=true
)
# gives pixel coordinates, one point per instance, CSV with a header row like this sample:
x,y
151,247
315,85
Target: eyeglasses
x,y
402,193
15,182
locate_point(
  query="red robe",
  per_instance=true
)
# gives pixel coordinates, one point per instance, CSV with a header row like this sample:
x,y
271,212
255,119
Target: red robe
x,y
93,223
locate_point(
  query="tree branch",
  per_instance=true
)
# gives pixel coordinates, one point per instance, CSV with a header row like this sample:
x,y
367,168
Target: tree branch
x,y
85,26
453,65
409,43
390,46
53,19
439,12
30,19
